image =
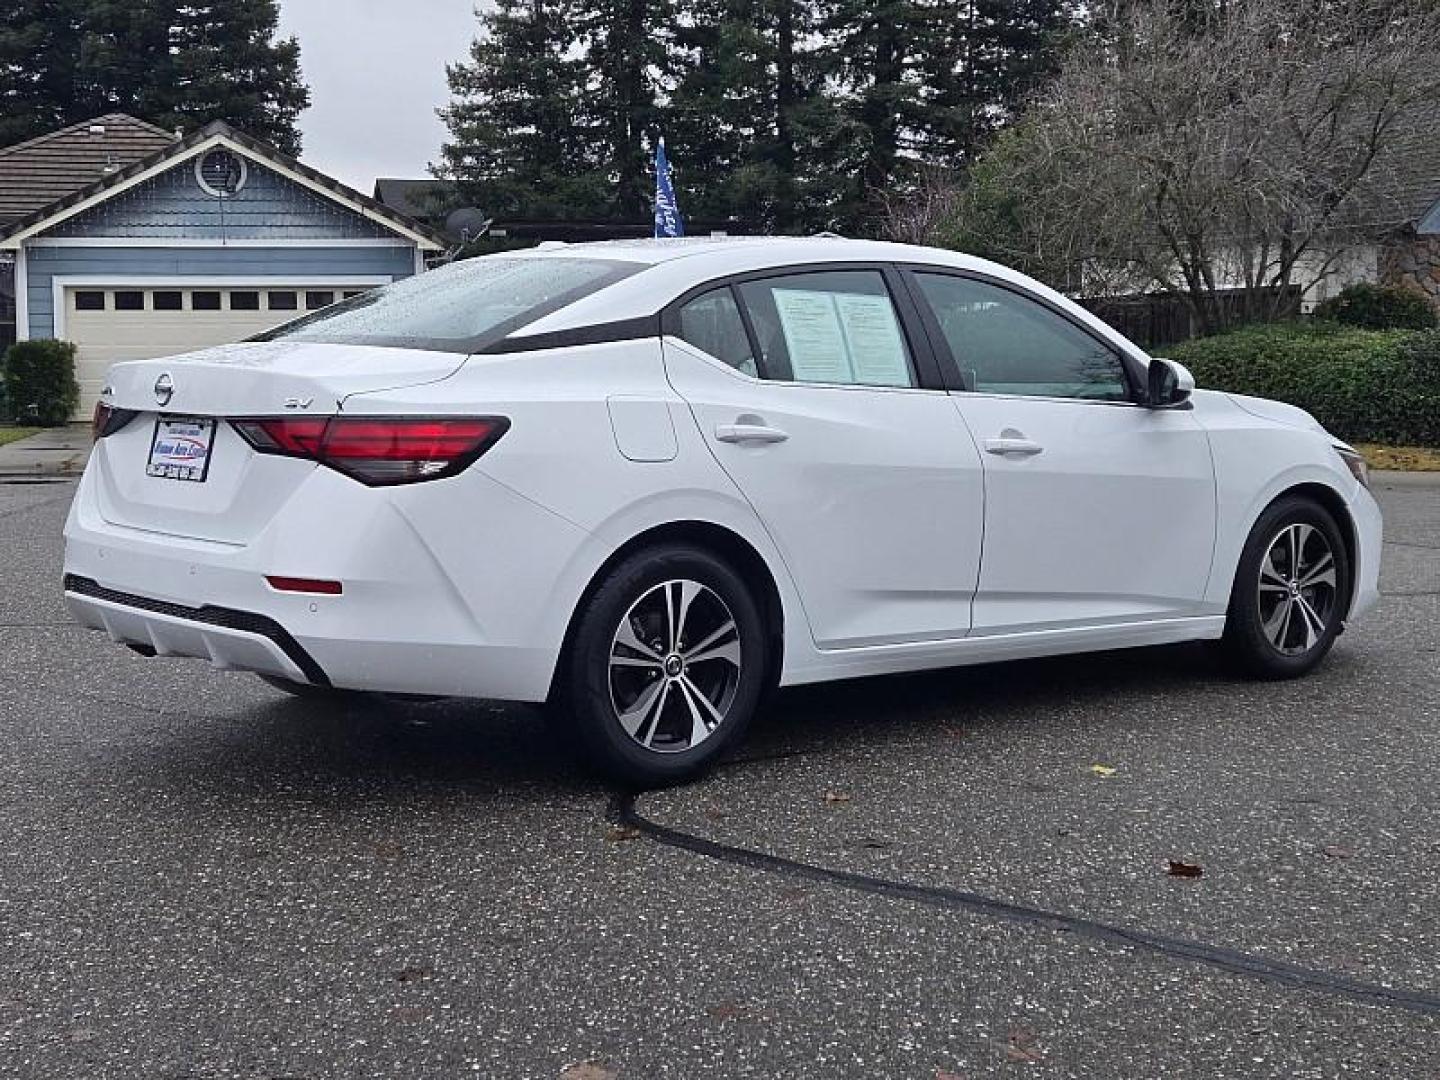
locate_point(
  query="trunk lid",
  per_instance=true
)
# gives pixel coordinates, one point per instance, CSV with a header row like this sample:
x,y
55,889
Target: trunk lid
x,y
241,490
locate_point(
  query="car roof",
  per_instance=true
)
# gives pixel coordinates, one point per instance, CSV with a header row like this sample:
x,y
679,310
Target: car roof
x,y
669,268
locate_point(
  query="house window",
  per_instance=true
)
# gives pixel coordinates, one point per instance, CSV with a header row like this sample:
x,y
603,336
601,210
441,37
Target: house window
x,y
90,300
316,300
129,300
167,300
205,301
244,301
351,293
221,173
7,301
284,301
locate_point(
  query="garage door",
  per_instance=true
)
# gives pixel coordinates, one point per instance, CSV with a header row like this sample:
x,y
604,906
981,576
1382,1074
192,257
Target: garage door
x,y
108,325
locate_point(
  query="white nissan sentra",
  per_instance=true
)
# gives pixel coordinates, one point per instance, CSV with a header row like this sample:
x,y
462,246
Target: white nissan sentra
x,y
645,482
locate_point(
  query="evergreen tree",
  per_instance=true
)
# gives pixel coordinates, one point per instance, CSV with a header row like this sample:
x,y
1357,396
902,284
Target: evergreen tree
x,y
629,60
519,144
179,65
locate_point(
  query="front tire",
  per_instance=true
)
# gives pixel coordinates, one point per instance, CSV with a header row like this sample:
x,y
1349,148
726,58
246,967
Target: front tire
x,y
1290,593
665,668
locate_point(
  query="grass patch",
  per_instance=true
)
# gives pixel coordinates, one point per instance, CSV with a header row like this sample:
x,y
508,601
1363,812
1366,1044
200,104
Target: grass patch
x,y
15,434
1401,458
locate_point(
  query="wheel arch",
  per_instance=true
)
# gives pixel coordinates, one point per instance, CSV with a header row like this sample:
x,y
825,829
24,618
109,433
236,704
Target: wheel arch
x,y
717,539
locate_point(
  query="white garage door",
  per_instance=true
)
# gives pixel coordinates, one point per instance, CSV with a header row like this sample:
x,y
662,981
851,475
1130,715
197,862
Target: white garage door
x,y
133,323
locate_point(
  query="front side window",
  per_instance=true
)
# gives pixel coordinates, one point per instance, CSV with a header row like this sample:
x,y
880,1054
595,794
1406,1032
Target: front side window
x,y
457,308
838,327
1006,343
712,323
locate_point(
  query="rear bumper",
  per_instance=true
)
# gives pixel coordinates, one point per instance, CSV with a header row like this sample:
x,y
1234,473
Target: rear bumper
x,y
449,588
230,639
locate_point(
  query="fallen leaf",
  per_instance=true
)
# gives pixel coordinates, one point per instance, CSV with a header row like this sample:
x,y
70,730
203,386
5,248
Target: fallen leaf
x,y
836,797
714,813
411,974
1103,770
1335,851
1184,869
388,849
946,1074
1022,1046
620,833
587,1070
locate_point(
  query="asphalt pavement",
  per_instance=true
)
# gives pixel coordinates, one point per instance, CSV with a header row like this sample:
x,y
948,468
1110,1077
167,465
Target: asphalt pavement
x,y
960,874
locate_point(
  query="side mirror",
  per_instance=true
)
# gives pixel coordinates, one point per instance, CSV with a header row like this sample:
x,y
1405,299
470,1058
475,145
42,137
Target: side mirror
x,y
1168,384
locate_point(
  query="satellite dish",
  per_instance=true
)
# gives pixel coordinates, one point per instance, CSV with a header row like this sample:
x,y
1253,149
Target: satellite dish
x,y
468,223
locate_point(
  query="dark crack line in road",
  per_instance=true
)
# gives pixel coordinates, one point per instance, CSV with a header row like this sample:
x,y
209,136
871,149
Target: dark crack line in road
x,y
622,812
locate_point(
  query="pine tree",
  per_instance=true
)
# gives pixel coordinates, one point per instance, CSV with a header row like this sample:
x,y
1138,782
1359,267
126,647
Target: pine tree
x,y
519,144
629,60
178,65
38,59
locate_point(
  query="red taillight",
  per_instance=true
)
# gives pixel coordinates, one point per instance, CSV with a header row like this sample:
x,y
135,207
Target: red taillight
x,y
379,450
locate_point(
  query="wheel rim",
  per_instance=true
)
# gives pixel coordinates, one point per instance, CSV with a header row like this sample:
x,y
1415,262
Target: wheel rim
x,y
675,665
1297,589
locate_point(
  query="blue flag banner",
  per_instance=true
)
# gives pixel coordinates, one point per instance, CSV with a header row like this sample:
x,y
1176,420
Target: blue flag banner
x,y
668,221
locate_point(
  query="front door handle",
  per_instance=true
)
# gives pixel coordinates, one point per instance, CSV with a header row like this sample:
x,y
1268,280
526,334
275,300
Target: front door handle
x,y
1013,446
749,433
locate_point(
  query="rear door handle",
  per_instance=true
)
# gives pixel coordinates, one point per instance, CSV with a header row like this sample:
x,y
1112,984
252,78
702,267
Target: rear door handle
x,y
1007,445
749,433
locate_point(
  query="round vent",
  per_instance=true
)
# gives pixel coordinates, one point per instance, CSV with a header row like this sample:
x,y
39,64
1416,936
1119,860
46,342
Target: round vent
x,y
221,173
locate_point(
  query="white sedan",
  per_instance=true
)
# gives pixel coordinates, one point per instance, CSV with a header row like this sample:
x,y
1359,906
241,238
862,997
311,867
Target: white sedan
x,y
646,482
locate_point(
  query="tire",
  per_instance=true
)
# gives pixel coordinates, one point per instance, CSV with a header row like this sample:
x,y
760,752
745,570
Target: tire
x,y
647,716
1285,613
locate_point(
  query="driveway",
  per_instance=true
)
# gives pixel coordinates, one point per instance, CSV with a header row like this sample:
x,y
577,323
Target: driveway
x,y
959,874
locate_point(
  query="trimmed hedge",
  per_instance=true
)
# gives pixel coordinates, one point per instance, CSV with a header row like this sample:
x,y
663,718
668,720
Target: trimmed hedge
x,y
1379,307
40,385
1363,385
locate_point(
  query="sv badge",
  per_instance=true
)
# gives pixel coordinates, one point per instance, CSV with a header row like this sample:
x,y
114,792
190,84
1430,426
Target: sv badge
x,y
299,402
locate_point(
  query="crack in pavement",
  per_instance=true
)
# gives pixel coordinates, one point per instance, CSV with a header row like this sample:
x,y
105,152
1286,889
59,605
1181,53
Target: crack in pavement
x,y
622,812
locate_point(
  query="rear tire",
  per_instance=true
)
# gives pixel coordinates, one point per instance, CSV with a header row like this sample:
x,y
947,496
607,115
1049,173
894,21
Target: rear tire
x,y
665,668
1290,593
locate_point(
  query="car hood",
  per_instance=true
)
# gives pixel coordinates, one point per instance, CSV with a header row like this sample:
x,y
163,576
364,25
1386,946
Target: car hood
x,y
1279,412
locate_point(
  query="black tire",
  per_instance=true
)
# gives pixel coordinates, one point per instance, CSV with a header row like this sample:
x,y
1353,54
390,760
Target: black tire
x,y
591,694
1258,612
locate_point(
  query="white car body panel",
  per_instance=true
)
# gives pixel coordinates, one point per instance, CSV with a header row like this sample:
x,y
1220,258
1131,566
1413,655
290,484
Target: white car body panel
x,y
874,498
893,540
1113,520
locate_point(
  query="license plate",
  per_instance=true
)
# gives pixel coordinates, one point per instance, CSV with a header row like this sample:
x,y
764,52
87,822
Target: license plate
x,y
181,448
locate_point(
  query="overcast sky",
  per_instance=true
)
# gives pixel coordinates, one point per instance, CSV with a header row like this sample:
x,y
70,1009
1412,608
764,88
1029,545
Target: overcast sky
x,y
376,70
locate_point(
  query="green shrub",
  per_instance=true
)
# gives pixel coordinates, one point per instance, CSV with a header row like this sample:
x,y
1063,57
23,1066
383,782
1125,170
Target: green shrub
x,y
1379,307
1363,385
40,382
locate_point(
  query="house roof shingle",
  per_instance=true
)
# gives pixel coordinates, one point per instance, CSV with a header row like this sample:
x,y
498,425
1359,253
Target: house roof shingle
x,y
45,169
422,199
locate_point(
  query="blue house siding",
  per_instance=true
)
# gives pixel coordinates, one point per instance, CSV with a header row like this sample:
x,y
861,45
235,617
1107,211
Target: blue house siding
x,y
172,205
296,265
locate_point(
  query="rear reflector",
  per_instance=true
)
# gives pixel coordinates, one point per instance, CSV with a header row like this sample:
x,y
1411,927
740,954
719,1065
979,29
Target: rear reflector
x,y
305,585
378,450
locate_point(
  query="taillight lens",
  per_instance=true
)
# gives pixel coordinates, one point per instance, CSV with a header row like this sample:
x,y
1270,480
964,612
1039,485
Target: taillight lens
x,y
107,420
378,450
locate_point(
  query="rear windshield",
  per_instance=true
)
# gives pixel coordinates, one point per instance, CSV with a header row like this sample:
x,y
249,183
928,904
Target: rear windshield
x,y
458,308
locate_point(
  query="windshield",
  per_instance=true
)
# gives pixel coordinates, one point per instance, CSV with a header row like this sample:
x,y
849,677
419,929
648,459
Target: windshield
x,y
457,308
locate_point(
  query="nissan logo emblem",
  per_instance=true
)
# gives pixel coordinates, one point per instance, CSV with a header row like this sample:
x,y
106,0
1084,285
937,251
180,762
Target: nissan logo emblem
x,y
164,389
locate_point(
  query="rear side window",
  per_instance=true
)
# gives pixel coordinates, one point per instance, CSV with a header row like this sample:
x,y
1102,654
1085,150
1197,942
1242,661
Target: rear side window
x,y
712,323
457,308
838,327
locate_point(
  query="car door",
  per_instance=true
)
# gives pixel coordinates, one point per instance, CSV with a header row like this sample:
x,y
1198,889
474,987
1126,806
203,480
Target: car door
x,y
814,400
1098,510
